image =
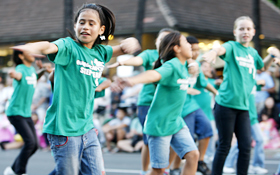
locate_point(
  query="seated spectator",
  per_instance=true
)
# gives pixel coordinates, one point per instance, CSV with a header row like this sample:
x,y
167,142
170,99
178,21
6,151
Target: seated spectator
x,y
134,141
270,111
116,129
265,91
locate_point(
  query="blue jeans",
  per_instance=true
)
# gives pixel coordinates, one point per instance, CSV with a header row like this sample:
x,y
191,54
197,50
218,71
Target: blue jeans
x,y
77,155
229,121
258,159
142,113
199,124
159,146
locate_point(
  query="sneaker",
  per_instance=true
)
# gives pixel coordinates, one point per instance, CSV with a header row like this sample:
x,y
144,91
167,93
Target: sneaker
x,y
202,167
257,170
9,171
175,172
228,170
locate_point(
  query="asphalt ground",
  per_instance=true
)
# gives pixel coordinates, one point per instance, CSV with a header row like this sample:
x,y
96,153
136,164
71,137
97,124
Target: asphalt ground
x,y
42,162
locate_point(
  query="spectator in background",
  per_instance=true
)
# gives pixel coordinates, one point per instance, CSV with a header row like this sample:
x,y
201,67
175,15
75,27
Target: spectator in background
x,y
41,96
116,129
270,111
134,141
266,90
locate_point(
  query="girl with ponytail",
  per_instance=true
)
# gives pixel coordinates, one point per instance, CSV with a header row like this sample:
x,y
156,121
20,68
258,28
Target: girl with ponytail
x,y
164,125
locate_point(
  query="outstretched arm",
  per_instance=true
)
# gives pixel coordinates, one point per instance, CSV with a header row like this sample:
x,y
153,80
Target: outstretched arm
x,y
273,53
38,48
212,55
15,75
127,46
134,61
149,76
105,84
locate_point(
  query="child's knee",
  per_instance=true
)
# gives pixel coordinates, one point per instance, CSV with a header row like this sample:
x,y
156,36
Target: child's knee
x,y
192,155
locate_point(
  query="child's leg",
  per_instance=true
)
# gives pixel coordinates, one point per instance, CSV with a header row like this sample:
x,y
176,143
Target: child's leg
x,y
145,155
225,122
203,129
159,153
92,162
25,128
259,157
183,144
125,145
243,135
190,166
66,152
232,156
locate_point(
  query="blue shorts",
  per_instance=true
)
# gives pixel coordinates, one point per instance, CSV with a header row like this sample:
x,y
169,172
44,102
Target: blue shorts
x,y
199,124
181,142
142,113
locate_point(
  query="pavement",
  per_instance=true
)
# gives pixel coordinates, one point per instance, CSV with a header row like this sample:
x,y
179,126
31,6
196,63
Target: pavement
x,y
42,162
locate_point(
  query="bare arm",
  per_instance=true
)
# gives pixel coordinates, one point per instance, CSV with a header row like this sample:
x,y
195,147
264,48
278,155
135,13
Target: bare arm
x,y
134,61
15,75
105,84
211,88
43,47
127,46
149,76
211,56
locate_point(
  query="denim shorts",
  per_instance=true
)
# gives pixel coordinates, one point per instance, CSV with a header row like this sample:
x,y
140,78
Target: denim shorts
x,y
77,155
142,113
199,124
181,142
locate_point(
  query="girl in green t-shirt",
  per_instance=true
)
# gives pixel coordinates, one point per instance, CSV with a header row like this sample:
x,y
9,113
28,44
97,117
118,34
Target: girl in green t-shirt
x,y
19,108
79,63
146,59
232,104
164,125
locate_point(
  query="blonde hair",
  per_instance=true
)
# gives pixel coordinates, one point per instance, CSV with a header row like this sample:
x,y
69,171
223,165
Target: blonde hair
x,y
242,18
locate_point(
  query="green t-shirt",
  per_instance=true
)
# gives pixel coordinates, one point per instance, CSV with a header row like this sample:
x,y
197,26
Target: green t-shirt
x,y
146,95
190,104
101,93
77,71
21,100
252,107
239,75
204,99
164,116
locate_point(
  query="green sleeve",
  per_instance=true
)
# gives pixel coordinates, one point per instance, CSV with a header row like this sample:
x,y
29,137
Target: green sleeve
x,y
228,46
145,57
107,51
62,57
165,71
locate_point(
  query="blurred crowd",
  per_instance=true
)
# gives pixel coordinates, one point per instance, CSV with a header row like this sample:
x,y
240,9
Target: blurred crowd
x,y
115,114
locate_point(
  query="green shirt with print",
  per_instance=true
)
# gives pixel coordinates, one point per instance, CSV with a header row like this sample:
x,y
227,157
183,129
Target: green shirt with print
x,y
204,99
77,72
147,93
239,75
164,116
190,104
21,100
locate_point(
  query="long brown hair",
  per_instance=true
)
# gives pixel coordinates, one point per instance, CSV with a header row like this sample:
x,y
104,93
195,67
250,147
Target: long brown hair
x,y
166,51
